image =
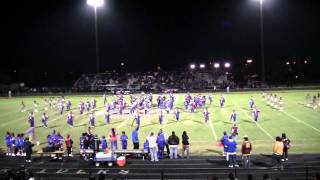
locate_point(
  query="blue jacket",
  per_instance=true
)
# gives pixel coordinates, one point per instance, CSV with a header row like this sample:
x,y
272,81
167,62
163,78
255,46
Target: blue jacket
x,y
161,140
103,144
135,138
231,146
7,139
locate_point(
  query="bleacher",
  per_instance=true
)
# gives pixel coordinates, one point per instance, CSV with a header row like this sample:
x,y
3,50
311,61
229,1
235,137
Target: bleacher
x,y
148,81
303,166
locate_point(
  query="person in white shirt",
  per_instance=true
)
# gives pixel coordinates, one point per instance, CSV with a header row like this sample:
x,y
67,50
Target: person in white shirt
x,y
152,139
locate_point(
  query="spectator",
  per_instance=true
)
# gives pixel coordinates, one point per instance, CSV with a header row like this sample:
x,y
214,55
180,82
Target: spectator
x,y
135,138
124,140
278,153
103,143
231,147
173,142
224,141
28,149
166,140
69,143
185,144
113,139
161,143
152,139
286,146
246,152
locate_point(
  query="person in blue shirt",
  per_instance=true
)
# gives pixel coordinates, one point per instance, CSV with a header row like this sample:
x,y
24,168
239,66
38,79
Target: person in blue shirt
x,y
104,144
8,142
231,146
146,147
12,144
124,140
224,141
161,141
135,138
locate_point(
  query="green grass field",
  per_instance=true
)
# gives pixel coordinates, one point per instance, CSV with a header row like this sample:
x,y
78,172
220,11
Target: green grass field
x,y
300,123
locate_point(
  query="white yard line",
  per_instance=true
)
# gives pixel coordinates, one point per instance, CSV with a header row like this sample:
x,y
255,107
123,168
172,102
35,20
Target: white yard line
x,y
306,124
213,130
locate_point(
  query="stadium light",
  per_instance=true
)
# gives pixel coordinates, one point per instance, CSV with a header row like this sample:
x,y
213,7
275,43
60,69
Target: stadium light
x,y
249,61
263,77
287,63
95,3
305,61
227,65
216,65
192,66
202,66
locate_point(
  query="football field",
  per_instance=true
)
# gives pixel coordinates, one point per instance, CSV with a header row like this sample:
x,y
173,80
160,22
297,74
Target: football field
x,y
299,122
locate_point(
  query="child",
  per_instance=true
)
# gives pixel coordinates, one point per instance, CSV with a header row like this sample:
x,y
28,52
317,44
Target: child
x,y
124,140
69,143
8,143
104,144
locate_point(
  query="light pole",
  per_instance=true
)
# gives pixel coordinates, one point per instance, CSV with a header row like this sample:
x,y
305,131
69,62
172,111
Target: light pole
x,y
263,78
95,4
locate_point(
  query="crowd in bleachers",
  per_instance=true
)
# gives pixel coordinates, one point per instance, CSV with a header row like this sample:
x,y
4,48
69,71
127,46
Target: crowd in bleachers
x,y
149,81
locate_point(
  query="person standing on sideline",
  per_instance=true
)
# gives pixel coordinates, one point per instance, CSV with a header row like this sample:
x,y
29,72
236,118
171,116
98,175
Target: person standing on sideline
x,y
165,135
231,146
28,149
152,139
161,143
223,142
124,140
135,138
278,153
69,143
246,152
185,144
286,146
113,139
173,142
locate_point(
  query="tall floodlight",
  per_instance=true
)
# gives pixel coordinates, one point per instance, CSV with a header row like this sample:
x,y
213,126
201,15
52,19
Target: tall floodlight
x,y
263,78
95,4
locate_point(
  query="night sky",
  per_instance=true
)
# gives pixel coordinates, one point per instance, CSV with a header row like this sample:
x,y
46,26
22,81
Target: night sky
x,y
52,42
